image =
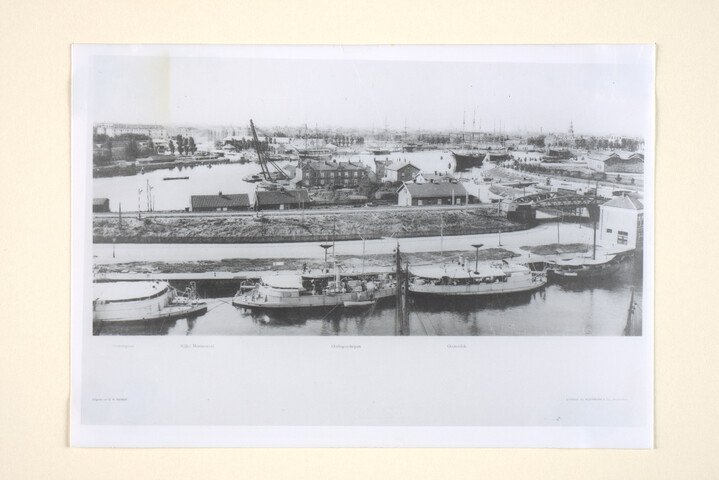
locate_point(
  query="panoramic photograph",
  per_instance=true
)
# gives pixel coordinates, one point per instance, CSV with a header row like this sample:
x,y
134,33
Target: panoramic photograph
x,y
299,195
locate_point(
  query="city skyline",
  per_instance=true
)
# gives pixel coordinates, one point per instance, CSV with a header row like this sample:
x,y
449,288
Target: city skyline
x,y
598,98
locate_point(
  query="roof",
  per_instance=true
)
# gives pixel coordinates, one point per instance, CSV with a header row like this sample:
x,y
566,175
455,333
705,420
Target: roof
x,y
457,271
616,157
625,202
220,201
278,197
283,281
331,166
100,201
603,157
398,166
116,291
430,177
433,190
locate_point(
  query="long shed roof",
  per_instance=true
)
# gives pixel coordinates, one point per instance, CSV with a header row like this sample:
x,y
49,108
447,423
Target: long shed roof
x,y
435,190
220,201
279,197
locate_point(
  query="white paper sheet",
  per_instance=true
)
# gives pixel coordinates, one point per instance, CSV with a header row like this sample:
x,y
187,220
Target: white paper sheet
x,y
219,388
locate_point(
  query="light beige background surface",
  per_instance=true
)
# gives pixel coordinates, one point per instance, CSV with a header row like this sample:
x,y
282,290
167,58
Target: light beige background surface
x,y
35,217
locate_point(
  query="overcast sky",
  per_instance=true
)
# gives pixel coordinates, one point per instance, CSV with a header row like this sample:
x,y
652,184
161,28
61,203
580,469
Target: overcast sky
x,y
600,98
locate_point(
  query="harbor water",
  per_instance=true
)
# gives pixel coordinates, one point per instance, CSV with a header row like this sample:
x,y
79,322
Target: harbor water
x,y
597,307
131,191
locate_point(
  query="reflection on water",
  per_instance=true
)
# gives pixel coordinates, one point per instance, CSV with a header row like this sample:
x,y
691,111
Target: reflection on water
x,y
228,178
592,307
596,307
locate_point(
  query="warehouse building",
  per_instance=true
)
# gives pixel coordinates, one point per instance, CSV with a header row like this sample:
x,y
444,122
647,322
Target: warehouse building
x,y
431,194
281,199
220,202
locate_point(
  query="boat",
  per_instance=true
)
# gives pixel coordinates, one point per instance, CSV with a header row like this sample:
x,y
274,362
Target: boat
x,y
176,178
359,303
497,155
467,161
557,155
380,151
143,301
322,289
488,279
315,154
585,268
253,178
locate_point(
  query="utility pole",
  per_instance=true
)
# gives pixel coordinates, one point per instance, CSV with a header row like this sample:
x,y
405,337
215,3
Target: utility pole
x,y
139,192
334,233
399,314
441,234
558,221
596,214
362,237
401,323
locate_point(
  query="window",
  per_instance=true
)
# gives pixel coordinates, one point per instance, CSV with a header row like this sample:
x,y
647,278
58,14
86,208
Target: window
x,y
439,201
609,230
419,202
622,237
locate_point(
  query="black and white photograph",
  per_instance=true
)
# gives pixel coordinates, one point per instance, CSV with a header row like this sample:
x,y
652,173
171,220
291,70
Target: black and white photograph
x,y
278,196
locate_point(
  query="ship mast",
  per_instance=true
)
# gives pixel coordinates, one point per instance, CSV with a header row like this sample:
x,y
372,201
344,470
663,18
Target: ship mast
x,y
264,160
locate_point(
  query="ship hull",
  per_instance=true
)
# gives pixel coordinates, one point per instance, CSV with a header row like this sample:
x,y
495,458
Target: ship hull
x,y
248,300
587,273
466,162
474,290
151,301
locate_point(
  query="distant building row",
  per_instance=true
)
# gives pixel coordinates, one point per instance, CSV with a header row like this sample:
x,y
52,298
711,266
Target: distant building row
x,y
614,163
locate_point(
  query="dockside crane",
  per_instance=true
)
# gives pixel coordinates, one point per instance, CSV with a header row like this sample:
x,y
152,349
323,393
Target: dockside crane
x,y
264,159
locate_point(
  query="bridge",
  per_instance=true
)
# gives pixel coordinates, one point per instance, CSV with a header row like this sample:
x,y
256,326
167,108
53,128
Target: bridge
x,y
525,207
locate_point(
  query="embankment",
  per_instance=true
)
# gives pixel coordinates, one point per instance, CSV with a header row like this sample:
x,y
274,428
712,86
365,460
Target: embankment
x,y
365,224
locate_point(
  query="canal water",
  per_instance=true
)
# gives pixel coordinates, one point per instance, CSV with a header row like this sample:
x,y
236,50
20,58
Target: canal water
x,y
599,308
131,191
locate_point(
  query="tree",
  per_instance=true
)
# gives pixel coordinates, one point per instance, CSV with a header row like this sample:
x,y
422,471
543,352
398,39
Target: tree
x,y
171,146
193,147
131,150
178,139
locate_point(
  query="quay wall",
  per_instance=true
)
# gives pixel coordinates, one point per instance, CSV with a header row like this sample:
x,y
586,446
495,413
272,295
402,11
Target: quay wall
x,y
305,238
320,227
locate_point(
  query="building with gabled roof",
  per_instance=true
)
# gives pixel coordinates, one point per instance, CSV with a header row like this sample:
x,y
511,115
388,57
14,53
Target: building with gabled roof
x,y
220,202
418,194
282,199
100,205
399,172
436,177
621,223
313,173
615,163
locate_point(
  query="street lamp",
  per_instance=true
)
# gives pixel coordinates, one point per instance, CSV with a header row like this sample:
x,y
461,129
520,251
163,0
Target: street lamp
x,y
477,246
326,246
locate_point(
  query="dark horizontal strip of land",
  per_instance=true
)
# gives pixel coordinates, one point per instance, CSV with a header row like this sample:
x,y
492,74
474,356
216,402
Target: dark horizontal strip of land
x,y
328,226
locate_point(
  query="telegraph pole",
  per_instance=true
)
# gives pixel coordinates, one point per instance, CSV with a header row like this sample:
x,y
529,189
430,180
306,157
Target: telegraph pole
x,y
399,310
139,207
596,214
